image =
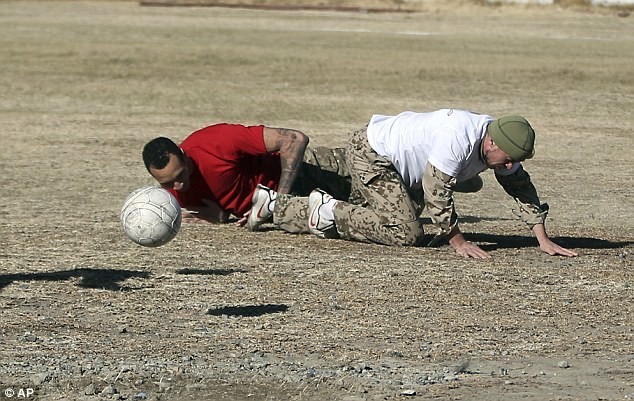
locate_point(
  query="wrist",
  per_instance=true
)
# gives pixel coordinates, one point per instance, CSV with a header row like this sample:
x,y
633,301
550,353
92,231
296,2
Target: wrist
x,y
540,232
455,237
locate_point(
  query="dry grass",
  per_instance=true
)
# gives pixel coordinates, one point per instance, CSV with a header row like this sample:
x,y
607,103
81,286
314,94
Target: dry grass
x,y
86,84
382,5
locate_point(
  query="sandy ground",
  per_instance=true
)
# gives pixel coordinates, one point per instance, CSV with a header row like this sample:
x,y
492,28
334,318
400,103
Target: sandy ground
x,y
223,314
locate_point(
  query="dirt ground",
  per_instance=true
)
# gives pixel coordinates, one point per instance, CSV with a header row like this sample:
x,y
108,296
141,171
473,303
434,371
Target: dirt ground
x,y
220,313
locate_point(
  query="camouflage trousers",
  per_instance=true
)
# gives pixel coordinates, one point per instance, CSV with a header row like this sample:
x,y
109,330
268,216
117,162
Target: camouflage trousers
x,y
381,208
323,168
377,205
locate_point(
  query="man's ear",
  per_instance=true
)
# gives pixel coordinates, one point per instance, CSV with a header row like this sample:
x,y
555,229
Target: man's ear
x,y
488,141
188,162
493,145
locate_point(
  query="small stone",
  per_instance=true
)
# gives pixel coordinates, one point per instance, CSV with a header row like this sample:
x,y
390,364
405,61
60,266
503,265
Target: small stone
x,y
164,386
39,378
28,338
408,393
563,364
90,389
109,390
361,367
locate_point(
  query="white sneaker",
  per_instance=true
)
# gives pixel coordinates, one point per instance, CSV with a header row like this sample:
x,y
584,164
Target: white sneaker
x,y
261,210
318,224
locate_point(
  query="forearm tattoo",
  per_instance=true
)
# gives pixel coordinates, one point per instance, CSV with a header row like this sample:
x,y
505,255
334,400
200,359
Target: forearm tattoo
x,y
292,145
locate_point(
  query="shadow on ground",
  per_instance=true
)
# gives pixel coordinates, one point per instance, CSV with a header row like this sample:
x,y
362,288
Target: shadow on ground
x,y
493,241
108,279
248,310
209,272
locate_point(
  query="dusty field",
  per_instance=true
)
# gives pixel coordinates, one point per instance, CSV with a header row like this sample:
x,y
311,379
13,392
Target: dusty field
x,y
224,314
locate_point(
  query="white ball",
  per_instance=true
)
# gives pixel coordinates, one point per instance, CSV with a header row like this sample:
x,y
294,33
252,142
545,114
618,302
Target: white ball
x,y
151,216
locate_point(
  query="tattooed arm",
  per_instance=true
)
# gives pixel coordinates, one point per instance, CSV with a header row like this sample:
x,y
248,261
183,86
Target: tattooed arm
x,y
291,145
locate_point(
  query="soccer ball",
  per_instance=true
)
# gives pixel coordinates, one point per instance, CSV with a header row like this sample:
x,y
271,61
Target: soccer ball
x,y
151,216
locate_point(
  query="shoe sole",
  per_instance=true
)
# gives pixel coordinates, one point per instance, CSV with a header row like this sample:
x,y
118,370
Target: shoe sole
x,y
325,232
253,223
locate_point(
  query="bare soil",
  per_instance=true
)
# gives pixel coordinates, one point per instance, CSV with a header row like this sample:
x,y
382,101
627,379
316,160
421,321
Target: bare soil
x,y
220,313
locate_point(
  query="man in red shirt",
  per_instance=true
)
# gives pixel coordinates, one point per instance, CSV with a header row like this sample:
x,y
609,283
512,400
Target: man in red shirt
x,y
214,172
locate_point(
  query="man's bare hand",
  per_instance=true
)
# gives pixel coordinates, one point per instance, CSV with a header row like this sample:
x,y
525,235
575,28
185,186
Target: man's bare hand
x,y
465,248
243,220
547,245
553,249
210,213
468,249
191,217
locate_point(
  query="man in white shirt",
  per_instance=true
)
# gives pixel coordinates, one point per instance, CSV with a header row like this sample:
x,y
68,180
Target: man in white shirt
x,y
403,164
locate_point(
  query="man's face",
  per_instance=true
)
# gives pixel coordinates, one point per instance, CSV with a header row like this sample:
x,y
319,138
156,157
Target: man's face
x,y
175,175
494,157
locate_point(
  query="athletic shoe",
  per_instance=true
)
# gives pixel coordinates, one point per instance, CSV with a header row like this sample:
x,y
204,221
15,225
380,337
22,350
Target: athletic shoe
x,y
318,224
261,210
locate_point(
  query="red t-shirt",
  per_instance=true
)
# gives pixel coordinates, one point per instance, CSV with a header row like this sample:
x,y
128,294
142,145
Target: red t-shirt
x,y
229,160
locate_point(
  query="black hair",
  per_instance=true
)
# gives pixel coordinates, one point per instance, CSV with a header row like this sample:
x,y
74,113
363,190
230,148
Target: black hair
x,y
156,153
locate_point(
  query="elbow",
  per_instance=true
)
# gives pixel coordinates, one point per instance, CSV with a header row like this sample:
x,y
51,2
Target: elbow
x,y
302,139
293,144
